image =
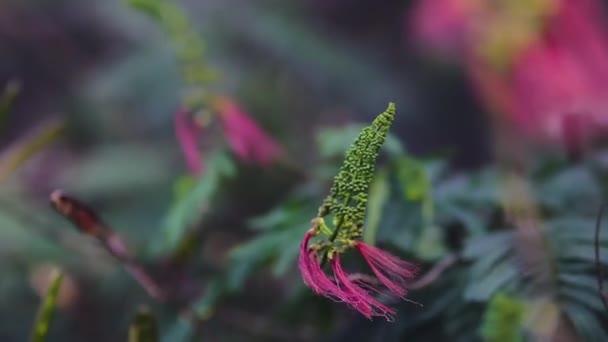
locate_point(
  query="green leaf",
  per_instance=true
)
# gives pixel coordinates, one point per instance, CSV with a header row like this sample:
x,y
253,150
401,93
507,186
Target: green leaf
x,y
188,210
149,7
413,178
586,282
589,299
30,145
429,245
378,195
479,247
564,191
586,322
181,330
205,305
482,289
568,229
47,308
7,98
582,252
503,319
144,327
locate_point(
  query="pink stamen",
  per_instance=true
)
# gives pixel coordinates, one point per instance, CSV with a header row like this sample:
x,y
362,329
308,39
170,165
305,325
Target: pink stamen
x,y
389,269
357,296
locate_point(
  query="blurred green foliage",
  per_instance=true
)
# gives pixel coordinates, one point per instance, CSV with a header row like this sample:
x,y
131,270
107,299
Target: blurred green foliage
x,y
47,308
226,243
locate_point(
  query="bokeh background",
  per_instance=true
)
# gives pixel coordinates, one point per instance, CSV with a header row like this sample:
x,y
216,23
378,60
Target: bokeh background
x,y
207,133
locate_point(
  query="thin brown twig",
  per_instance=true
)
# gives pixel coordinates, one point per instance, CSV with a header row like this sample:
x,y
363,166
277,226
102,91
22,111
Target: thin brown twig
x,y
89,223
598,266
433,274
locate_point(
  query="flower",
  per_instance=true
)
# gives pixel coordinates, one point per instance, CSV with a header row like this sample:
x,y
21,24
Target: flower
x,y
345,206
247,140
539,63
356,291
188,133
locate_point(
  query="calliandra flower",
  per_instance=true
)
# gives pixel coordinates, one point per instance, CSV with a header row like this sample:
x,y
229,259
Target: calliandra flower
x,y
346,203
247,140
188,134
540,64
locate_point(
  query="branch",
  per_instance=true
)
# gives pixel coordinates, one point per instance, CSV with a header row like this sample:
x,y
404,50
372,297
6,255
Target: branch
x,y
598,265
435,272
87,222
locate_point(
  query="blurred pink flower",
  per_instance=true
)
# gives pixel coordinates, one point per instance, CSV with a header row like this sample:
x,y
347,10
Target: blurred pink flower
x,y
552,84
188,134
247,140
442,24
391,272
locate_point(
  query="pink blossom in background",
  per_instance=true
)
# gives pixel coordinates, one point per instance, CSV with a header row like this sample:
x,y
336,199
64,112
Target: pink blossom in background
x,y
392,273
443,25
188,133
247,140
554,84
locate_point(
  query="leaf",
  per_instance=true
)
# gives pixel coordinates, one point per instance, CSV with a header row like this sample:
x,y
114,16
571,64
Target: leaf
x,y
7,99
150,7
503,319
484,264
482,289
582,252
110,169
587,282
47,308
413,178
181,330
205,305
568,229
188,210
481,246
281,246
564,191
378,195
589,299
144,327
429,245
587,324
28,146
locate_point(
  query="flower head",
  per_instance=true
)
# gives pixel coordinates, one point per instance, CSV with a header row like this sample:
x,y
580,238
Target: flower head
x,y
346,202
247,140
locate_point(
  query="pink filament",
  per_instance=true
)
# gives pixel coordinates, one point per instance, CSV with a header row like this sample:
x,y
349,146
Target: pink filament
x,y
389,269
312,274
357,296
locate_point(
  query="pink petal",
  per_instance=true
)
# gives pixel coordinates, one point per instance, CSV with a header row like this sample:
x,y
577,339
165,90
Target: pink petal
x,y
188,134
247,140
